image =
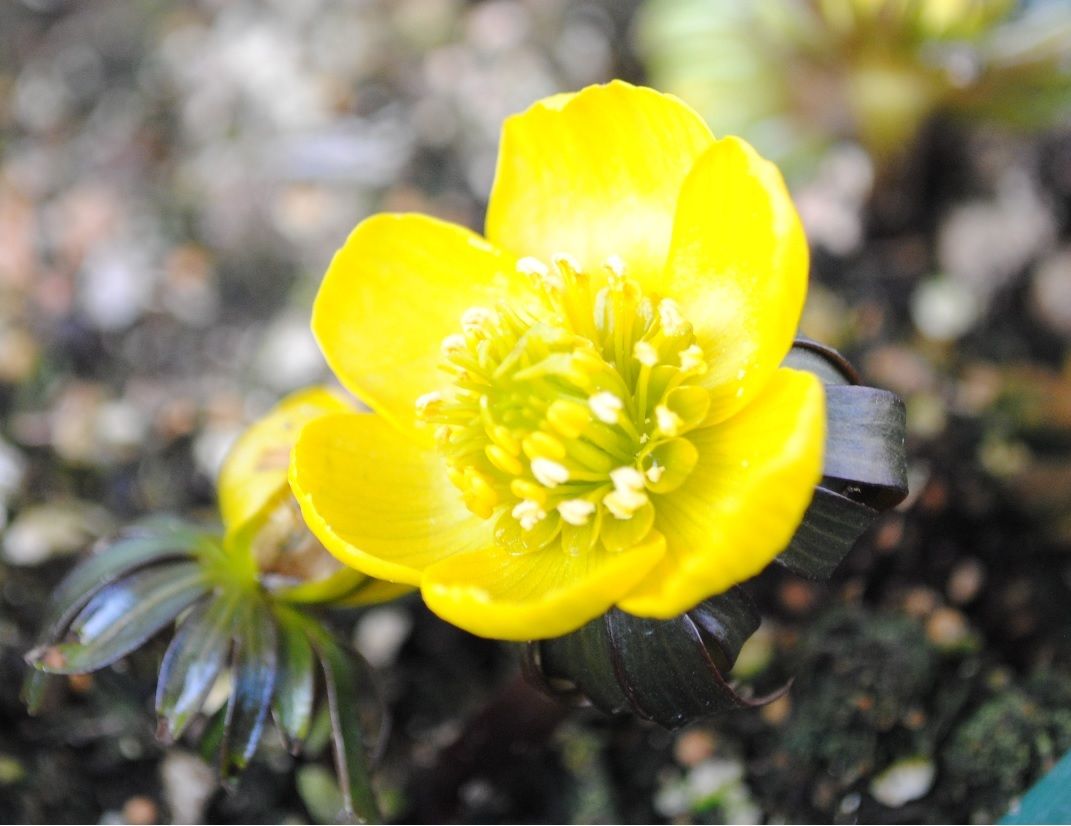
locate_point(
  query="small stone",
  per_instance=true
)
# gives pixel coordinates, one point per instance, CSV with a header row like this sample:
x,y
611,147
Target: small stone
x,y
1050,292
41,532
943,309
188,783
797,596
12,471
920,602
947,629
381,632
777,712
693,747
966,581
140,811
903,781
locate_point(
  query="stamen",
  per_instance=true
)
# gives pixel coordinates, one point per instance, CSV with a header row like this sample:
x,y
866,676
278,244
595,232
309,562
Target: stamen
x,y
427,404
669,314
693,361
616,265
476,320
576,511
549,473
528,513
645,353
606,406
532,266
655,473
453,345
668,421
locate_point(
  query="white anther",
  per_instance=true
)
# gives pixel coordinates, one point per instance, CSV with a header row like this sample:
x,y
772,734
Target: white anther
x,y
626,478
477,319
616,265
529,265
645,353
606,406
454,344
549,473
528,513
425,403
670,315
576,511
654,473
668,421
692,360
624,503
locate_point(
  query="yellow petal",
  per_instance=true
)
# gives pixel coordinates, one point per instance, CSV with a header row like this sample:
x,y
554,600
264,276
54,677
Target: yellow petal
x,y
546,593
738,265
378,501
395,290
253,478
595,175
741,505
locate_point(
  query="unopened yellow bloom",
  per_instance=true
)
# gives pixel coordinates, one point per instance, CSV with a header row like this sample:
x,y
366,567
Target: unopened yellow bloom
x,y
585,409
261,518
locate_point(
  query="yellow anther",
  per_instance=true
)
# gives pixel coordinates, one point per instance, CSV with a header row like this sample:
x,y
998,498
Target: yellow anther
x,y
539,444
576,511
549,473
504,438
565,263
606,406
669,422
569,418
442,436
655,473
456,477
527,489
528,513
645,353
480,497
503,460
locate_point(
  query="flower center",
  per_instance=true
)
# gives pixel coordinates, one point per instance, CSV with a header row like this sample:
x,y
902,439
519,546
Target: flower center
x,y
569,408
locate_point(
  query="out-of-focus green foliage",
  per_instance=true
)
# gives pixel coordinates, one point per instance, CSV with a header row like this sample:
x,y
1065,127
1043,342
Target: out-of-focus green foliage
x,y
791,75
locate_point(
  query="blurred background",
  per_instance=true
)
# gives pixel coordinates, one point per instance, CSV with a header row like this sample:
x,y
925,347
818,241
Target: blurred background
x,y
174,177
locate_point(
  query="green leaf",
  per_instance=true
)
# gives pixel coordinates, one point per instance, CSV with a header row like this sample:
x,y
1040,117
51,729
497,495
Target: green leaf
x,y
320,793
583,658
255,672
830,528
122,616
343,671
295,694
192,663
669,671
139,545
865,435
34,689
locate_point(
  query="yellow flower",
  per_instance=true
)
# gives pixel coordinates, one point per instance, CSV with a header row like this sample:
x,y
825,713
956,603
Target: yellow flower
x,y
261,518
585,409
